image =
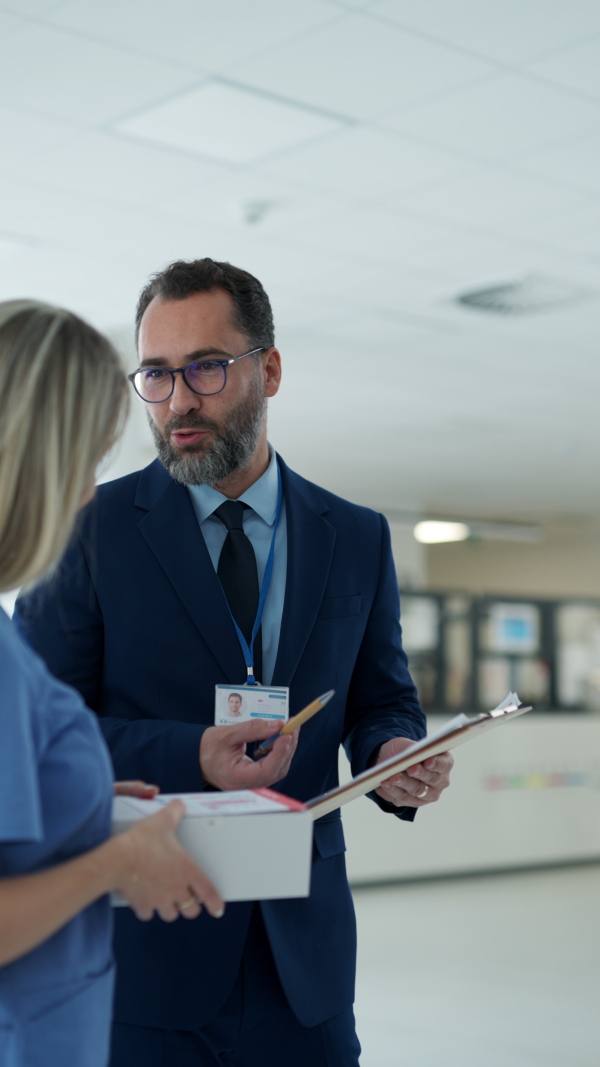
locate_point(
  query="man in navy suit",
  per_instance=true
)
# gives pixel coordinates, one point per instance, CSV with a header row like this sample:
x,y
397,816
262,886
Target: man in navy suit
x,y
137,620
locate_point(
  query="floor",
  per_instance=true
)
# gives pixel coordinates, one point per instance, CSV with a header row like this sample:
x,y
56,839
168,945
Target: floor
x,y
481,972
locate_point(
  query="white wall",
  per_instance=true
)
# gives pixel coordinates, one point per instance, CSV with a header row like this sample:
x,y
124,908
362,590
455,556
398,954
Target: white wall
x,y
523,795
565,564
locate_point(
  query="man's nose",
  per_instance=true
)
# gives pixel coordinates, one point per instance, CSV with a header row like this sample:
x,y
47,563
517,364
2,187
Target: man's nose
x,y
183,399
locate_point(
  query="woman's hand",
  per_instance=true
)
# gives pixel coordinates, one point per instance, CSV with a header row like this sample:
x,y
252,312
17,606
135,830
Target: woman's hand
x,y
159,875
136,789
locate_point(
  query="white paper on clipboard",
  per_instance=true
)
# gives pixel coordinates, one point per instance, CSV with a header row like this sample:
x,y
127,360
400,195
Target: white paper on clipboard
x,y
454,733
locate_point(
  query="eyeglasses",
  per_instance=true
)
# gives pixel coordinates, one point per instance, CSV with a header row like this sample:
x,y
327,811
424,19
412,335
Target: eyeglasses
x,y
205,377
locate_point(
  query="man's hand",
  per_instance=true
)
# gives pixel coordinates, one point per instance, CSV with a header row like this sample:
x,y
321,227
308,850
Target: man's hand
x,y
420,784
223,759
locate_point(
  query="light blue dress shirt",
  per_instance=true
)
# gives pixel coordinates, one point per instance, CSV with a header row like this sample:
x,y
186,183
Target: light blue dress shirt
x,y
259,523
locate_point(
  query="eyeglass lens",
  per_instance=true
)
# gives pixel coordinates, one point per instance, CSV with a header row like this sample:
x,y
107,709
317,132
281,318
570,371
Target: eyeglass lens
x,y
155,384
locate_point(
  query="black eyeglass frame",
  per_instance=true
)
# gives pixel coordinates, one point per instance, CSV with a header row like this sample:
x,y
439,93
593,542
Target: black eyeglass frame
x,y
172,371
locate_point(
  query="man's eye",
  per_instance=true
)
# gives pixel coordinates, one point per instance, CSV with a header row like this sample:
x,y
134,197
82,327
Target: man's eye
x,y
207,366
154,374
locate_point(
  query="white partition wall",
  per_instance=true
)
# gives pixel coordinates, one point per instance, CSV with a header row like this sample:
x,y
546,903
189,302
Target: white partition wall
x,y
525,795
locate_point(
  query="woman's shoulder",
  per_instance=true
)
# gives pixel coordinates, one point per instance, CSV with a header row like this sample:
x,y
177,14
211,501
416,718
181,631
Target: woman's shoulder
x,y
27,688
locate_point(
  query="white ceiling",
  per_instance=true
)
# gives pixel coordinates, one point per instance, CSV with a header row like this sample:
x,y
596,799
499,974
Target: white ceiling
x,y
368,161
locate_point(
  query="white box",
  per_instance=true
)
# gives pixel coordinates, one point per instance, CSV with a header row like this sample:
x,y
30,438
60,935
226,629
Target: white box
x,y
255,844
252,844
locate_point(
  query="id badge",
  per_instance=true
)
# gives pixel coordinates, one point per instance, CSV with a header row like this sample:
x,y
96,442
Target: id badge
x,y
242,703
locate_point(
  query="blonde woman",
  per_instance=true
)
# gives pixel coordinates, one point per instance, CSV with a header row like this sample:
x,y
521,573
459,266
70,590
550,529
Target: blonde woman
x,y
62,402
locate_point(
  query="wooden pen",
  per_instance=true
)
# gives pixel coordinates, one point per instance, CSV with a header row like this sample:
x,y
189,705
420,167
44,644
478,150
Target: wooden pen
x,y
293,724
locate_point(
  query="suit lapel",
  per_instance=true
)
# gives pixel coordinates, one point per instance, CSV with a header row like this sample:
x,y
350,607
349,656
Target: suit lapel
x,y
170,528
310,542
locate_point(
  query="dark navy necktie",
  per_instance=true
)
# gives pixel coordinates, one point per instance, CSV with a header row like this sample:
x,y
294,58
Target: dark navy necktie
x,y
238,574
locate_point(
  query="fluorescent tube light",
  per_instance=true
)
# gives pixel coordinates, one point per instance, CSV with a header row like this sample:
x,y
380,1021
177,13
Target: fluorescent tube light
x,y
434,533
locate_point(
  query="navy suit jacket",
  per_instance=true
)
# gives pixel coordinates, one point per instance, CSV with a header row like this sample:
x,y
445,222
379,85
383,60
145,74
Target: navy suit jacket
x,y
136,620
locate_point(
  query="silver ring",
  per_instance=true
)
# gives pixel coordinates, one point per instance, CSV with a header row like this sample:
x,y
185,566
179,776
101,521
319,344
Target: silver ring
x,y
421,796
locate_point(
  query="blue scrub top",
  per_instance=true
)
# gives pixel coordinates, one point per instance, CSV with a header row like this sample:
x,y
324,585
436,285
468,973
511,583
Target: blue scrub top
x,y
55,802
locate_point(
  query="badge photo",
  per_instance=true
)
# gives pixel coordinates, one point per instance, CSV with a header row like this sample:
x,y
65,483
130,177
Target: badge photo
x,y
244,702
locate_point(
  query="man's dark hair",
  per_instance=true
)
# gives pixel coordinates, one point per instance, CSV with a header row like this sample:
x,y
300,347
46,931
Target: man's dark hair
x,y
253,314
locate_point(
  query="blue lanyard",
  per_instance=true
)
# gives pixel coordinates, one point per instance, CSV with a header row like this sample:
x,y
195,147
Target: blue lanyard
x,y
248,649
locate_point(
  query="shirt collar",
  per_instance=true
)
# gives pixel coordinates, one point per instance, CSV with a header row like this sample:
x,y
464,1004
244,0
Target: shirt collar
x,y
261,496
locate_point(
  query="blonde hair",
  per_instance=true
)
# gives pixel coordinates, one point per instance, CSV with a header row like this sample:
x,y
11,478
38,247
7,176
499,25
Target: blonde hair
x,y
63,400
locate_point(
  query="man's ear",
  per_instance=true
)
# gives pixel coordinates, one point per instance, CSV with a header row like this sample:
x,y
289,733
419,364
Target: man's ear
x,y
272,369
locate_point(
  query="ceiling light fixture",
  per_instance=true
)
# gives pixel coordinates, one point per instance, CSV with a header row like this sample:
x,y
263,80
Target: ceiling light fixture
x,y
431,532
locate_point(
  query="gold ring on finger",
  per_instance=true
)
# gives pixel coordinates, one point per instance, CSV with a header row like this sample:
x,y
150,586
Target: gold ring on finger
x,y
187,903
421,796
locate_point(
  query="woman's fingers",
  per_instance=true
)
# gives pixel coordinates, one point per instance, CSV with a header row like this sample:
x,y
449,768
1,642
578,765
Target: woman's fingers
x,y
208,895
164,877
191,908
172,813
169,912
136,789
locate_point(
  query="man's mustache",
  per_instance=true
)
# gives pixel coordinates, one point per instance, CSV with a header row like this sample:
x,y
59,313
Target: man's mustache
x,y
189,422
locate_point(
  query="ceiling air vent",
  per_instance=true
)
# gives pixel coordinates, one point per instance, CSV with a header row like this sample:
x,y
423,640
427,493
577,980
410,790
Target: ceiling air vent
x,y
535,293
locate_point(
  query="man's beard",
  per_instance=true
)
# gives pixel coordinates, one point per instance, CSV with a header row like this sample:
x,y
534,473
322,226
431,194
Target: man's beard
x,y
230,451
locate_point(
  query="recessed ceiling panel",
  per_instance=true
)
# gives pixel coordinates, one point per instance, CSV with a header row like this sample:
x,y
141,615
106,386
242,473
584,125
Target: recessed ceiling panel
x,y
226,122
198,33
361,68
509,31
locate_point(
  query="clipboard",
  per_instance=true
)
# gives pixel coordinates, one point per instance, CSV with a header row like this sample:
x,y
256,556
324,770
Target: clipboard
x,y
454,733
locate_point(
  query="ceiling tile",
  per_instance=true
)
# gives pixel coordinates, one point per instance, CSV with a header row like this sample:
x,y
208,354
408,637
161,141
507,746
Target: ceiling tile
x,y
373,231
31,8
367,163
36,212
488,198
11,247
508,32
26,140
502,119
361,68
357,279
199,33
350,5
80,281
575,229
112,169
258,204
55,74
576,163
475,263
145,237
575,68
9,24
224,121
380,335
